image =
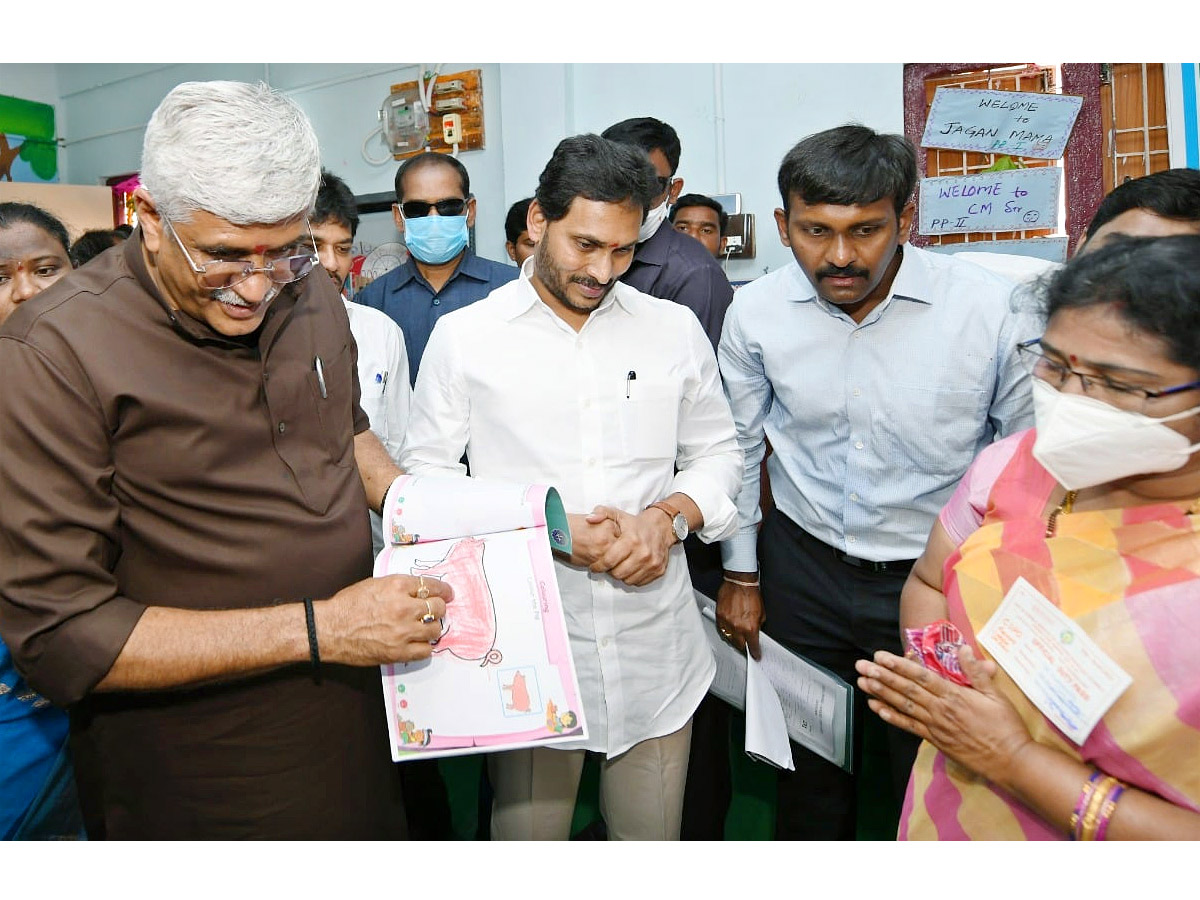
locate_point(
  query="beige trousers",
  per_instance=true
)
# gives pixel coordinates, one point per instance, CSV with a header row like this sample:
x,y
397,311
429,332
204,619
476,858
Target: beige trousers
x,y
641,791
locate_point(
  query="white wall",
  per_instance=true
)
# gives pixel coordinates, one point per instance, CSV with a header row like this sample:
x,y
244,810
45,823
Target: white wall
x,y
29,82
767,109
528,108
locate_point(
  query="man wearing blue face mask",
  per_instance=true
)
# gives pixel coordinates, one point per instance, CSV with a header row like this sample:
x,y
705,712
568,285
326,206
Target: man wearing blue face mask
x,y
433,211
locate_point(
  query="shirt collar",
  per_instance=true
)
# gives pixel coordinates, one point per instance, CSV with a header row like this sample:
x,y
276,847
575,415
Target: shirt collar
x,y
913,280
654,250
470,266
524,296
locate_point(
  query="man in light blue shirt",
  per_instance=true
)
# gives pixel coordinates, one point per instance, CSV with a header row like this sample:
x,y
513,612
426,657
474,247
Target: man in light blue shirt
x,y
876,371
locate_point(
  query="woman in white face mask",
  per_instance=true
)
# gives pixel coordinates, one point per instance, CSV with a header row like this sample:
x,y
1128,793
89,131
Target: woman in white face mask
x,y
1053,622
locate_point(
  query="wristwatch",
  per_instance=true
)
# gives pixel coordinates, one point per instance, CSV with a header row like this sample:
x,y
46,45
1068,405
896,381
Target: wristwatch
x,y
678,522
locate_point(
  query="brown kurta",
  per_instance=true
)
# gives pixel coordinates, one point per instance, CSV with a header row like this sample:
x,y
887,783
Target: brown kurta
x,y
150,461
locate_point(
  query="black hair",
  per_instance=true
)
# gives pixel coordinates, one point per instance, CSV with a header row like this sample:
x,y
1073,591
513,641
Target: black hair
x,y
431,159
514,222
649,134
1151,282
26,213
335,202
91,244
700,200
850,165
1172,194
594,168
125,231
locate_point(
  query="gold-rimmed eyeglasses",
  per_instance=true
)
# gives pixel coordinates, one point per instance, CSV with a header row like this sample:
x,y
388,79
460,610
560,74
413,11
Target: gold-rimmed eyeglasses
x,y
225,273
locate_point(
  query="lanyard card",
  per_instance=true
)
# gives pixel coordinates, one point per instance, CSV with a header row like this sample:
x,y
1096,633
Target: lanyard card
x,y
1053,661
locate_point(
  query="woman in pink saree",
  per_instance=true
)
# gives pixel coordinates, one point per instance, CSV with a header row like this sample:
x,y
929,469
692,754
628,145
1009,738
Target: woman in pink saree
x,y
1098,510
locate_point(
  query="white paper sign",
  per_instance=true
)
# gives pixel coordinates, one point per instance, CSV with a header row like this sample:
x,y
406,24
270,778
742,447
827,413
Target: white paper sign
x,y
1016,123
1053,661
999,201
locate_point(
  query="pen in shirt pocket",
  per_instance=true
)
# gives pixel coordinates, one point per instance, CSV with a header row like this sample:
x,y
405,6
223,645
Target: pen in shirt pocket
x,y
629,379
381,379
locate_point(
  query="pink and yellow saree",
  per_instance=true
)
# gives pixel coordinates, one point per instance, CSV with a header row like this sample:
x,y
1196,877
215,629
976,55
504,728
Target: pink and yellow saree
x,y
1131,579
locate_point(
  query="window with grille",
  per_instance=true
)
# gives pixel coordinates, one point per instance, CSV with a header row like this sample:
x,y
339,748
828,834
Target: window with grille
x,y
1133,105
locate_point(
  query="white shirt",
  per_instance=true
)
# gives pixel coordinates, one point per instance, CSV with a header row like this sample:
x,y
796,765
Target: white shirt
x,y
385,393
606,415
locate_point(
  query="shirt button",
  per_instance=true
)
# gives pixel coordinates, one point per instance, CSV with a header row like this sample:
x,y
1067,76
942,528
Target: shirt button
x,y
854,497
852,539
282,427
587,404
579,345
857,335
266,376
604,642
858,445
437,302
857,392
591,461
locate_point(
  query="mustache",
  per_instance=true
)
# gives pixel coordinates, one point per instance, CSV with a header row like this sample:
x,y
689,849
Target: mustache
x,y
592,282
841,272
230,296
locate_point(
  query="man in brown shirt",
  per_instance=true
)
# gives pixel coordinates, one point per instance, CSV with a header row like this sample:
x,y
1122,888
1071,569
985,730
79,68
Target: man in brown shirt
x,y
185,462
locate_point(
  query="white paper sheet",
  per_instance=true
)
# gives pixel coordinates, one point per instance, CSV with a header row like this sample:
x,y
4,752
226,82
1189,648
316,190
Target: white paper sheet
x,y
766,729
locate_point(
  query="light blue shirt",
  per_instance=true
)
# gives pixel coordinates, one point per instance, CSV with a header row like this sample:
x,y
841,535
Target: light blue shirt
x,y
871,424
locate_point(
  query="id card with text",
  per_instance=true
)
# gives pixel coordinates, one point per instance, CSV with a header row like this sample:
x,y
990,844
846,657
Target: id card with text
x,y
1053,661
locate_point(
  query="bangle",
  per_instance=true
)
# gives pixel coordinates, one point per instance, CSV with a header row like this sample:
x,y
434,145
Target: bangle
x,y
1090,820
1092,817
742,583
313,652
1107,809
1085,795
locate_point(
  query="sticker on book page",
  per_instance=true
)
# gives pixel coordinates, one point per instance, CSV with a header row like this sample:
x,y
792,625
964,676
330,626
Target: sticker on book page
x,y
1053,661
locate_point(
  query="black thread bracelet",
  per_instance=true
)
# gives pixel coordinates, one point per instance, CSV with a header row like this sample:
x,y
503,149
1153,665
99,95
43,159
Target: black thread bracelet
x,y
314,652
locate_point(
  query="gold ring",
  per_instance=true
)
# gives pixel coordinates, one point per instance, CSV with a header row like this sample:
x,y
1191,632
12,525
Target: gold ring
x,y
727,634
429,618
422,590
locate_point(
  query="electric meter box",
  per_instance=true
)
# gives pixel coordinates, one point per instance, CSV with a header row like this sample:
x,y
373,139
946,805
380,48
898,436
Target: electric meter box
x,y
405,120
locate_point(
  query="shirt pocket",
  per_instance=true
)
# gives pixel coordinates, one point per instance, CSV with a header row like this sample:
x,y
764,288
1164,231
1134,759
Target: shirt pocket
x,y
332,394
648,418
934,430
372,397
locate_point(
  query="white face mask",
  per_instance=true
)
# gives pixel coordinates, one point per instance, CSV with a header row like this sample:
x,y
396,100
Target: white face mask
x,y
1084,442
654,219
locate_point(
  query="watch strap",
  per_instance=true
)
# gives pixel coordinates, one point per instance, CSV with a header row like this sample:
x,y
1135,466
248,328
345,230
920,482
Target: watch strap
x,y
666,507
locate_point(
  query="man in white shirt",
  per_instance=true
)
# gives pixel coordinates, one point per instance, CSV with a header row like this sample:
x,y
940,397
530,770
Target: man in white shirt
x,y
569,377
382,360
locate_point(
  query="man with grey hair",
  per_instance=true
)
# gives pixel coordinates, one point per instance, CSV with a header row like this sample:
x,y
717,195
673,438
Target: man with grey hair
x,y
184,558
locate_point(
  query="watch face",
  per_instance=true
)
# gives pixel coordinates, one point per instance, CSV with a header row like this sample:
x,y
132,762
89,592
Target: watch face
x,y
681,526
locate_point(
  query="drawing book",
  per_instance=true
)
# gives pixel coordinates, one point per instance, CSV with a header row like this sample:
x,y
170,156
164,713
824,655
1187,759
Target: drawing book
x,y
501,675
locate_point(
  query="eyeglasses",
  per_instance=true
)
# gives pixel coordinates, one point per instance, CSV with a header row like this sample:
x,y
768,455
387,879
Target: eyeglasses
x,y
1056,374
225,273
418,209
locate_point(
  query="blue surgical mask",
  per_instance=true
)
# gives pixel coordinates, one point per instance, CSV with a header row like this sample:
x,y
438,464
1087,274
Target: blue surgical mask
x,y
435,239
